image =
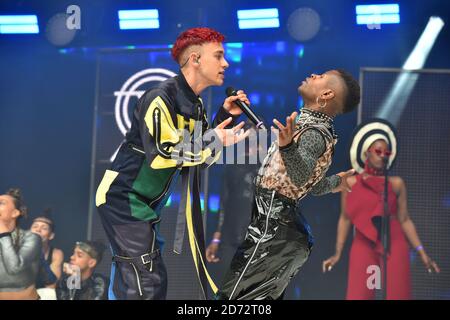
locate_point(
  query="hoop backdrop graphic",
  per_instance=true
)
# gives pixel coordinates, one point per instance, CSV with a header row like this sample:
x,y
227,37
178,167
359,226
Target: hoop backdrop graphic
x,y
131,88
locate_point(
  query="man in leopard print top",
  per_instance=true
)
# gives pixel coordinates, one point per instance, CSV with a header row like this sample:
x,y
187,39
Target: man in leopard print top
x,y
278,240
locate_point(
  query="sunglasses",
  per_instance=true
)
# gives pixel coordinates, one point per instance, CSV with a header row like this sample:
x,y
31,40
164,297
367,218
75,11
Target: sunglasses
x,y
380,152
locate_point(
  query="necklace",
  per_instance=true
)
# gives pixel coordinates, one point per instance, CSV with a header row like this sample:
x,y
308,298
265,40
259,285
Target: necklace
x,y
308,117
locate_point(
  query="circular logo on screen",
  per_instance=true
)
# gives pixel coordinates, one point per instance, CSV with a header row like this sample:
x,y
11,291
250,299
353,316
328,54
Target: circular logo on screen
x,y
136,86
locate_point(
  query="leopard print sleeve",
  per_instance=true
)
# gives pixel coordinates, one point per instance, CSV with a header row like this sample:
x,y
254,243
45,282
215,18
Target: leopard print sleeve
x,y
300,158
325,185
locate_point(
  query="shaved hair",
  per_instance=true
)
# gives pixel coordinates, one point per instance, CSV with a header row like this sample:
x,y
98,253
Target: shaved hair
x,y
352,91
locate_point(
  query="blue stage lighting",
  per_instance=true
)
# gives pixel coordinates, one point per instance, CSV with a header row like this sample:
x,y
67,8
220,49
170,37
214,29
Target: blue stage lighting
x,y
300,50
138,19
377,14
258,18
202,202
377,9
169,201
138,14
300,102
270,99
280,46
255,98
234,51
19,24
378,19
214,203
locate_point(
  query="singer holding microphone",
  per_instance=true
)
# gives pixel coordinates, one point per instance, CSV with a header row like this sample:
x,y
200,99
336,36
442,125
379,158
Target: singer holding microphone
x,y
155,153
374,146
278,240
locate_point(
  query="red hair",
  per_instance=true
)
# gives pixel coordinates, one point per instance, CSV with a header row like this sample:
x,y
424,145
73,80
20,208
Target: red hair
x,y
194,36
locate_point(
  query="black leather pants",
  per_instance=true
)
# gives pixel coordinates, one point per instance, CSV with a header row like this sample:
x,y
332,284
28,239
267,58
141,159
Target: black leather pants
x,y
278,242
138,271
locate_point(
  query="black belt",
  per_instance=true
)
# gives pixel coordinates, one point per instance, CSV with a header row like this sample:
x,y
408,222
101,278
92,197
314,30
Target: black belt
x,y
139,263
144,259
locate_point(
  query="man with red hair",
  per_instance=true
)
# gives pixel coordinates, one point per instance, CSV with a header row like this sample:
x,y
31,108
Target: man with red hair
x,y
155,152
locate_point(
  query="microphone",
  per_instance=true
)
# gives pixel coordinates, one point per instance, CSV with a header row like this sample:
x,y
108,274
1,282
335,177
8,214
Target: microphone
x,y
385,161
230,91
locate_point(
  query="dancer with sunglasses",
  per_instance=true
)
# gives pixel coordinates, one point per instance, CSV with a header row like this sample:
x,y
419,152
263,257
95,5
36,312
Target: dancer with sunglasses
x,y
364,203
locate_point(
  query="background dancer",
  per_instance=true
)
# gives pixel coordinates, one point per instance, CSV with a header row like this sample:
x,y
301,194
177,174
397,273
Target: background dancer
x,y
366,202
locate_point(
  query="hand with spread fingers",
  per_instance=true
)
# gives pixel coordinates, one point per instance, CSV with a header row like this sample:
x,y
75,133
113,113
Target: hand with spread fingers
x,y
231,136
344,186
285,133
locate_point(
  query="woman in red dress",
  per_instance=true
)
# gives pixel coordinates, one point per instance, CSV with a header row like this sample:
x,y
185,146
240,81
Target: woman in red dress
x,y
359,208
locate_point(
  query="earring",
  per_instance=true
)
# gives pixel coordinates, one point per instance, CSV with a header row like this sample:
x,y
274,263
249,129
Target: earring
x,y
320,105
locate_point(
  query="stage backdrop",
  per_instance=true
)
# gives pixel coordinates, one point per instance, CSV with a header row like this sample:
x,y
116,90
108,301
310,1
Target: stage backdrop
x,y
420,112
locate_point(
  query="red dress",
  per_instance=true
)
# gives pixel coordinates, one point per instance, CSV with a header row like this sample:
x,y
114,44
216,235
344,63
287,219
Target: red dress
x,y
364,202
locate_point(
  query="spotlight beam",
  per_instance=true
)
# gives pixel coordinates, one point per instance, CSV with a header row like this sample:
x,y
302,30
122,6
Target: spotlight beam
x,y
395,102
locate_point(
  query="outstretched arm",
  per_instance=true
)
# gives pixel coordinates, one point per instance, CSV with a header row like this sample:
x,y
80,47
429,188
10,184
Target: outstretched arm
x,y
326,185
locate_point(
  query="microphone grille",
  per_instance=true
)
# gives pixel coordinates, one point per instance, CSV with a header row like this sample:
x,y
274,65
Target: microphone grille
x,y
230,91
